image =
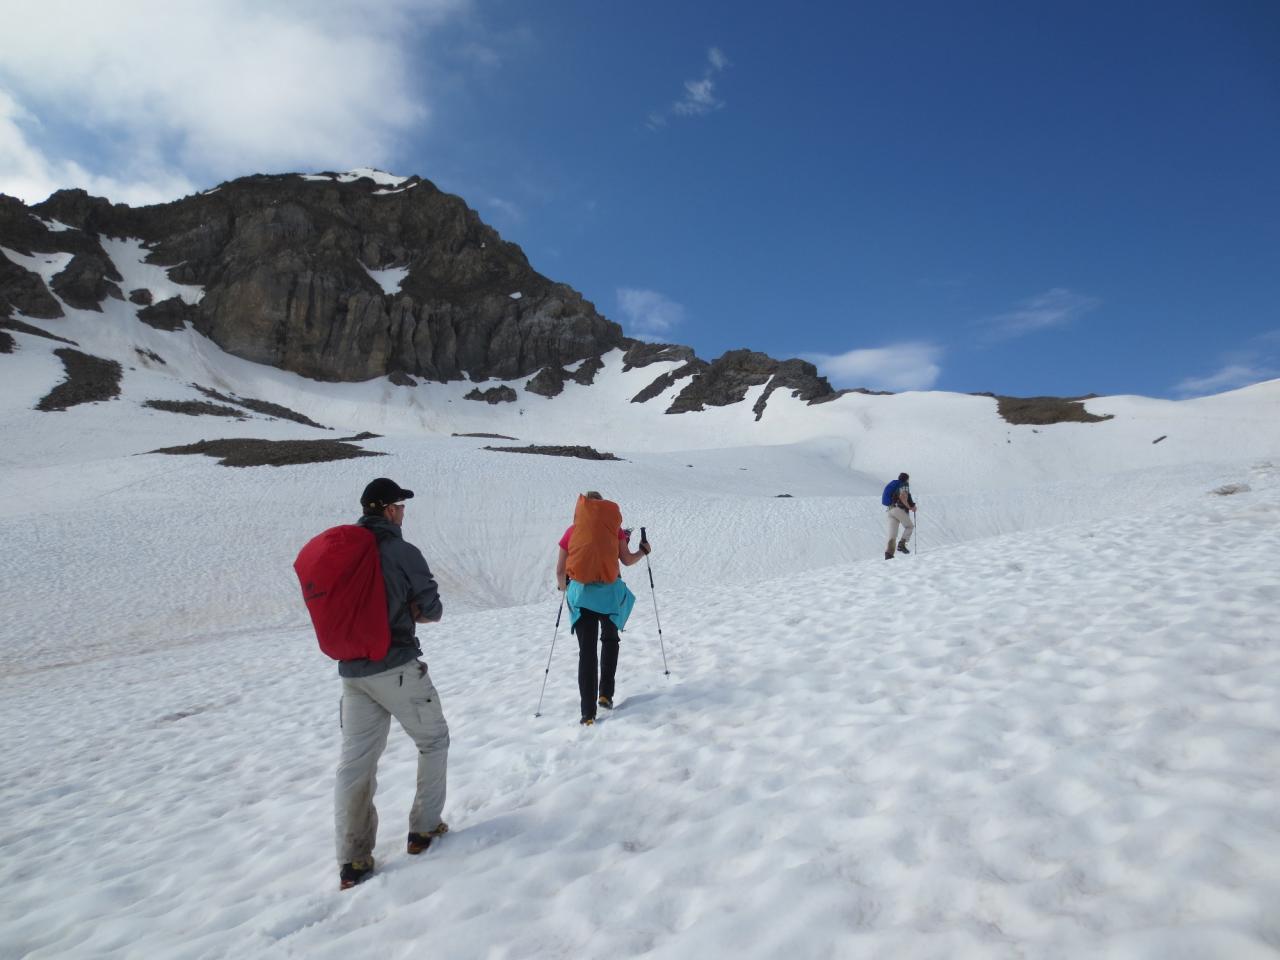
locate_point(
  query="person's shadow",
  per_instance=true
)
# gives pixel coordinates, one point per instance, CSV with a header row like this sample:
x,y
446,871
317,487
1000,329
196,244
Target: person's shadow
x,y
630,703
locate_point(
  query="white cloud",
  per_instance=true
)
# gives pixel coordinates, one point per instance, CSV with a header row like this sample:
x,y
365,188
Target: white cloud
x,y
647,314
28,174
481,54
1253,360
506,209
154,95
699,96
1229,377
1054,308
898,366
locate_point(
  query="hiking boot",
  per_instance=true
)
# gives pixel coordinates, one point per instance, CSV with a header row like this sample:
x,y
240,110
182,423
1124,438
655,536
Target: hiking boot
x,y
357,871
902,547
606,702
419,842
587,721
888,554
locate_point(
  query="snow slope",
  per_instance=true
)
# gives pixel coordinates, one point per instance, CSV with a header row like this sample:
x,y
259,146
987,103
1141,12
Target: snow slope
x,y
1057,743
1053,731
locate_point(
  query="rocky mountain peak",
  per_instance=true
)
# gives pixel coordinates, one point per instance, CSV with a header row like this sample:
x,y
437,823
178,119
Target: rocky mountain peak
x,y
349,277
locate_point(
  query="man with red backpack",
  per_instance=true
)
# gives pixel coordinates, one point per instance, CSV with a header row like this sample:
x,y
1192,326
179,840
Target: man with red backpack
x,y
599,602
379,662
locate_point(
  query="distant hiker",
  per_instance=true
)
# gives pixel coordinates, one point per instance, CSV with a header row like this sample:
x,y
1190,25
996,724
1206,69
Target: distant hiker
x,y
599,602
365,588
897,497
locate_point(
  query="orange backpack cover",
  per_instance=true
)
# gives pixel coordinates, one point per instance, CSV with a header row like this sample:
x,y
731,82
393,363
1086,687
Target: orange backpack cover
x,y
593,545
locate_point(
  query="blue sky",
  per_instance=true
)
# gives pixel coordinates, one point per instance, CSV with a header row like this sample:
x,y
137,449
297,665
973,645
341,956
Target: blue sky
x,y
1021,198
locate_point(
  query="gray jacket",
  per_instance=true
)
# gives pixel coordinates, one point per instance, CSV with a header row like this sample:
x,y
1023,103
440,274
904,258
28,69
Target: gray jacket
x,y
408,579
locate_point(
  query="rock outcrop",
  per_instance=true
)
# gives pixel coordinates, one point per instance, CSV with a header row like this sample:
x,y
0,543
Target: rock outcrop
x,y
641,353
294,274
285,265
727,380
87,280
171,314
24,292
502,394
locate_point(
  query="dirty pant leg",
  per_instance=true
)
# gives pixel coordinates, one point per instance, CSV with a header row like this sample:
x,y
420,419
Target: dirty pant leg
x,y
898,515
364,736
416,705
408,694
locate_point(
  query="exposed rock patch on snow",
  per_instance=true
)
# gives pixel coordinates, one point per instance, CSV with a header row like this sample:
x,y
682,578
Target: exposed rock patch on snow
x,y
89,379
194,408
253,452
581,453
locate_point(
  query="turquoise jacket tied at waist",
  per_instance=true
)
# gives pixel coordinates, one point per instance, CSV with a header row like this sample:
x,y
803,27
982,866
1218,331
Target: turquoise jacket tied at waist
x,y
614,600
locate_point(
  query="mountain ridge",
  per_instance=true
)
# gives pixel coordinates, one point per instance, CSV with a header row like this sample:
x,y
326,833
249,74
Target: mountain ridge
x,y
292,267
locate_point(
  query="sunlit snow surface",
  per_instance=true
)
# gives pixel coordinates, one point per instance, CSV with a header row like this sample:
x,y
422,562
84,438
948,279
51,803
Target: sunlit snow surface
x,y
1052,731
380,177
388,279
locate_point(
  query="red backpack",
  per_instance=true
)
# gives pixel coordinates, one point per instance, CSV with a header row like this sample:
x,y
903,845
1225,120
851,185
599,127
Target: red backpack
x,y
341,577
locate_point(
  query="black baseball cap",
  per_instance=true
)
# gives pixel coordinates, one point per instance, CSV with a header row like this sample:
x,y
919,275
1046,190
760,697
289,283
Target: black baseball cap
x,y
382,493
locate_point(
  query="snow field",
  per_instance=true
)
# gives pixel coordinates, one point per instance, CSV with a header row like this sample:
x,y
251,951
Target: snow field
x,y
127,555
1051,743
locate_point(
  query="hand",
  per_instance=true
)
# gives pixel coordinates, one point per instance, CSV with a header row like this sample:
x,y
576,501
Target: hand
x,y
644,547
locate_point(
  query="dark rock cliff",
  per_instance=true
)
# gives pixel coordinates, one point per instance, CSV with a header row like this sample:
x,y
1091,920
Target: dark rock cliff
x,y
285,263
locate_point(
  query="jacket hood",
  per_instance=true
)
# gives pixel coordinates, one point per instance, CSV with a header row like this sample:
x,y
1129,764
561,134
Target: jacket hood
x,y
380,525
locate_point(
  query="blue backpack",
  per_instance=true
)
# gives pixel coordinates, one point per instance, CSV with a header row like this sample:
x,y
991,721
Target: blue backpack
x,y
890,495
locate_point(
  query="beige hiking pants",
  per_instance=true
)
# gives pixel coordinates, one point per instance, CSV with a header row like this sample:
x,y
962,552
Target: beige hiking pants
x,y
368,704
899,516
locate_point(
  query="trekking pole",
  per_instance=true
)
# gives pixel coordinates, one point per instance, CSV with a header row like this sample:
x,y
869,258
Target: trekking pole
x,y
546,673
644,541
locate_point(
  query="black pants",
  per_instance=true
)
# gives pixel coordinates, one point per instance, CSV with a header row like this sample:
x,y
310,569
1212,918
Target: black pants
x,y
591,625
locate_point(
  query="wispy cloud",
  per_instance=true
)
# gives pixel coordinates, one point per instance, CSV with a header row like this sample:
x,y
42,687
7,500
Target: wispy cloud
x,y
1229,377
152,96
647,314
699,97
506,209
1257,359
481,54
28,173
1053,308
898,366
